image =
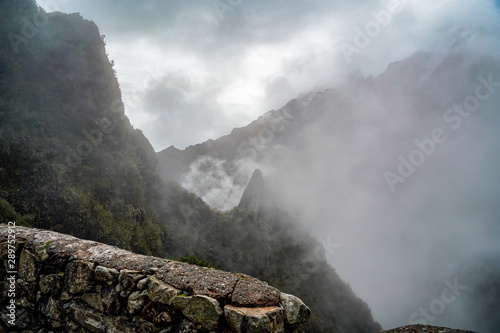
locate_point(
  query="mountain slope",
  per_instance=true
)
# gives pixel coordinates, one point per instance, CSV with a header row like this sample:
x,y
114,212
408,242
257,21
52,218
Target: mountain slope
x,y
65,144
401,169
71,162
251,141
262,240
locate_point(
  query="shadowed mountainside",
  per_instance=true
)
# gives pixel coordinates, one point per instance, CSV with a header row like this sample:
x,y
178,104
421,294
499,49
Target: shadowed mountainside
x,y
71,162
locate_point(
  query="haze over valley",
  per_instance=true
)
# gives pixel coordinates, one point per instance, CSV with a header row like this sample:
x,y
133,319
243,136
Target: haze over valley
x,y
346,153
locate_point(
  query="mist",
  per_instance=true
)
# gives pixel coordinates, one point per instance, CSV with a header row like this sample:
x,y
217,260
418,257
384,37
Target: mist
x,y
190,72
384,164
396,171
398,246
210,179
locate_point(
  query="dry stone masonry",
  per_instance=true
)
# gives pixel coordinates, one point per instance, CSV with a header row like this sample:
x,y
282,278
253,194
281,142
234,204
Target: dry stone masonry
x,y
66,284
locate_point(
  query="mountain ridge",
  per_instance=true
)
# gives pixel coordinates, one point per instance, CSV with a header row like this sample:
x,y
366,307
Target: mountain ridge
x,y
61,106
275,126
328,167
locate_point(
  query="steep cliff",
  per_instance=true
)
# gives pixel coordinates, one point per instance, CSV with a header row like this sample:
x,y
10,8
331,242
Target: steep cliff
x,y
255,195
70,160
271,245
389,165
72,163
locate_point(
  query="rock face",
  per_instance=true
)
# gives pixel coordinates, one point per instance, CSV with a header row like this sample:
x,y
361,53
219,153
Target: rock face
x,y
200,309
62,283
296,311
255,193
262,320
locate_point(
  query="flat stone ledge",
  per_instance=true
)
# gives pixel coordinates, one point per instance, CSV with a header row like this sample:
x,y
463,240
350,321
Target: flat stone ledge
x,y
97,287
245,291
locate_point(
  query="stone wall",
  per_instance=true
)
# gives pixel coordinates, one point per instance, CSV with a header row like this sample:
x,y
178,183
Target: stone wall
x,y
51,282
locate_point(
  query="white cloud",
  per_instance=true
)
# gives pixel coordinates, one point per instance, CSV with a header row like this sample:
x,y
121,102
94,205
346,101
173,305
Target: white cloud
x,y
256,43
187,77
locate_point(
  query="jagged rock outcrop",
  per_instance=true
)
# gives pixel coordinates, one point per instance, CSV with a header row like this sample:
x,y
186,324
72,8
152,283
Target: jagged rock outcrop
x,y
254,194
58,282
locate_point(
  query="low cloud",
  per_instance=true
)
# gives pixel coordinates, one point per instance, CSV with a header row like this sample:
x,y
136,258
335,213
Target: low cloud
x,y
212,74
212,180
242,54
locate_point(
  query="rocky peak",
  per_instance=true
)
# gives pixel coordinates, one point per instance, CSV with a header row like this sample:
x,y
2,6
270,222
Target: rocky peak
x,y
255,193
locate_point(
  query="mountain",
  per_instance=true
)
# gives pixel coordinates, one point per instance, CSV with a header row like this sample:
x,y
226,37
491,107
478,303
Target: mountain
x,y
400,169
255,195
71,162
288,127
66,145
275,126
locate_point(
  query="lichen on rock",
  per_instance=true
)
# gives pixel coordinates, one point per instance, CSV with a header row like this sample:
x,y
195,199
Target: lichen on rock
x,y
259,320
65,283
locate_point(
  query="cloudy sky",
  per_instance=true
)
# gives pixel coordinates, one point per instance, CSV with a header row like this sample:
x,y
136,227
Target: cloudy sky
x,y
192,70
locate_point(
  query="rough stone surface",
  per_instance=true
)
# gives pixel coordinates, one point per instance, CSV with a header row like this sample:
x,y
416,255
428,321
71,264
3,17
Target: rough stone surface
x,y
143,283
187,327
88,319
128,279
111,300
27,268
119,325
41,252
73,285
106,274
215,284
50,284
94,300
200,309
79,276
297,312
252,292
136,300
53,311
157,313
259,320
161,292
200,280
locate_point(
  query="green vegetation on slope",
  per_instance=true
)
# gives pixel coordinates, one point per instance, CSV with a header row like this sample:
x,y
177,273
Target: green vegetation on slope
x,y
71,162
268,244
